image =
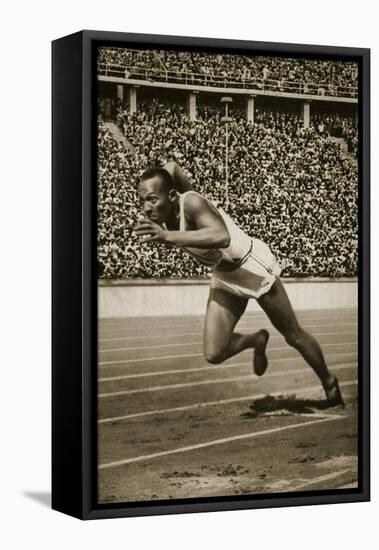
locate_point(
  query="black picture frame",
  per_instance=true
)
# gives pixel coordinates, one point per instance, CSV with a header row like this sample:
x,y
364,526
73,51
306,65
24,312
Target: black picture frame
x,y
74,294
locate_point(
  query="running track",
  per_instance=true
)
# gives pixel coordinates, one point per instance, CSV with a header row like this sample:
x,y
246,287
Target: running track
x,y
173,426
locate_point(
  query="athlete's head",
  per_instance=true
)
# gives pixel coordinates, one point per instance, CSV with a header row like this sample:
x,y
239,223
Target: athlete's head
x,y
157,192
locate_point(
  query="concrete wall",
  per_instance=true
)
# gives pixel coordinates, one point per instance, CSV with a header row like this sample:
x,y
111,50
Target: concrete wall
x,y
154,298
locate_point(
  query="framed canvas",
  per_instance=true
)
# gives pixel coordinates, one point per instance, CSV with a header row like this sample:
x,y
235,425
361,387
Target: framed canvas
x,y
210,275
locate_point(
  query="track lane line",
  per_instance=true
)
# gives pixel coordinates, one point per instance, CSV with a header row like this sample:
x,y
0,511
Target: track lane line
x,y
198,342
208,368
258,312
339,312
240,325
320,479
199,383
215,442
176,386
247,316
204,404
187,355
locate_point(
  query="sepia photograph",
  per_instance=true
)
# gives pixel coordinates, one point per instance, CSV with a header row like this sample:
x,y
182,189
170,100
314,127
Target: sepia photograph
x,y
228,261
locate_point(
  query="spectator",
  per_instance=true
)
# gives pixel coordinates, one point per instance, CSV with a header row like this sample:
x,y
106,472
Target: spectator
x,y
291,187
311,76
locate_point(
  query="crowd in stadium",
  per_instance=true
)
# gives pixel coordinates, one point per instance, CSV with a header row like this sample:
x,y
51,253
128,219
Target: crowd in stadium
x,y
291,187
264,72
339,126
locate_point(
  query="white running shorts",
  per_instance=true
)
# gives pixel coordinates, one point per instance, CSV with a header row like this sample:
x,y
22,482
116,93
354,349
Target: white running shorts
x,y
254,278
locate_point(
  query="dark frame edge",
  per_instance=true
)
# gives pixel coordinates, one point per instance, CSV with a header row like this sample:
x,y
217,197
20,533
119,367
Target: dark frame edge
x,y
365,396
82,500
277,501
197,41
89,405
67,476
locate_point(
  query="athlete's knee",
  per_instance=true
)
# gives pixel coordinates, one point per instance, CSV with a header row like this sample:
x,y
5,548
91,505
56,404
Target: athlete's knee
x,y
213,356
294,337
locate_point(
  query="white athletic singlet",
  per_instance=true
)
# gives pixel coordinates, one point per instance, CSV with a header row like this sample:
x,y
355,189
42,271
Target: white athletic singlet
x,y
229,258
246,268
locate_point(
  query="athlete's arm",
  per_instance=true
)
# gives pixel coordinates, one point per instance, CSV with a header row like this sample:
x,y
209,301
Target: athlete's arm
x,y
181,180
211,231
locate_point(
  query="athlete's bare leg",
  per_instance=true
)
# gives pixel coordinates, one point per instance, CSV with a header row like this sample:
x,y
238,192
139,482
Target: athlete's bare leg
x,y
278,308
220,341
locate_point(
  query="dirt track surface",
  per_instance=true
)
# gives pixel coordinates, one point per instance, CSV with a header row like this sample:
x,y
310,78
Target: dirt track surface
x,y
172,426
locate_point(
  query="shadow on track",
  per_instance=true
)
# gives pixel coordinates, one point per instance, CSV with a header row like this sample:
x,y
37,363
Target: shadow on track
x,y
285,404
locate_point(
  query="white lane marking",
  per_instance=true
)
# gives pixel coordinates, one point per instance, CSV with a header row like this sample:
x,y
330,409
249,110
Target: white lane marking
x,y
188,319
304,313
198,342
176,371
205,368
214,442
160,336
176,386
199,383
213,403
243,323
141,360
319,479
239,326
339,312
187,355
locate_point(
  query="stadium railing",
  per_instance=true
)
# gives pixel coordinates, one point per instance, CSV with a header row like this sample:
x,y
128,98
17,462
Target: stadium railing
x,y
220,81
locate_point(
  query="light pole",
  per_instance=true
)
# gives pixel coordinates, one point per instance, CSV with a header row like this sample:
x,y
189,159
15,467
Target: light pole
x,y
226,119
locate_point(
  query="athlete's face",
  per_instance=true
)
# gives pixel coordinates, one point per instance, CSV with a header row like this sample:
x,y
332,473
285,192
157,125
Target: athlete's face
x,y
157,201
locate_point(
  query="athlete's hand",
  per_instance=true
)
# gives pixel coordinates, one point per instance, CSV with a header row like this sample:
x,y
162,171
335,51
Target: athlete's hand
x,y
146,230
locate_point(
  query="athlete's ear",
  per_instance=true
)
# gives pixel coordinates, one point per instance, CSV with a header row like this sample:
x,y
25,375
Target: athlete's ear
x,y
172,195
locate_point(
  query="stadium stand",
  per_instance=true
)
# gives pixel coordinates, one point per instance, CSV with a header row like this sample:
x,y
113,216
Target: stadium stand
x,y
292,187
313,77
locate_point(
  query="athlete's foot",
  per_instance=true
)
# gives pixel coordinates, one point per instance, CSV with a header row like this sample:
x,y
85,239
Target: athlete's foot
x,y
260,361
333,393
